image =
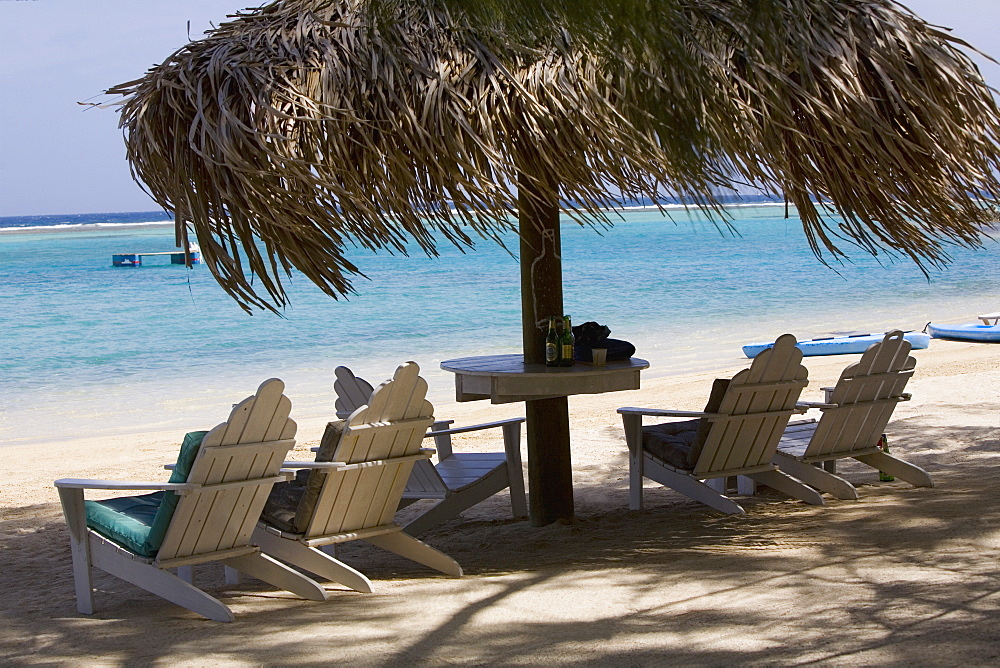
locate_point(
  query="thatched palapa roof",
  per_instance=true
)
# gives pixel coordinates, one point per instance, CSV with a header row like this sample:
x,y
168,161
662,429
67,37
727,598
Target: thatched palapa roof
x,y
313,125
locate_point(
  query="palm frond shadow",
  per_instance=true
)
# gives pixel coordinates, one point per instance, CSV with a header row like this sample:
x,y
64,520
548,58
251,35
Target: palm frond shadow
x,y
900,573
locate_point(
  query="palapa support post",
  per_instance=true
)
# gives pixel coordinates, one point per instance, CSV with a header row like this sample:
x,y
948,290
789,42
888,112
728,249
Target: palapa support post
x,y
550,474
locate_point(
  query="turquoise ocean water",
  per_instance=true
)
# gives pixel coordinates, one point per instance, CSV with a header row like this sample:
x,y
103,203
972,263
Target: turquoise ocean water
x,y
90,349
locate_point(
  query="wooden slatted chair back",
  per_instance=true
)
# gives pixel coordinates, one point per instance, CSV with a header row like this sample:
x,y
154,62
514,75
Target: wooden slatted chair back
x,y
250,445
391,425
754,411
354,392
865,396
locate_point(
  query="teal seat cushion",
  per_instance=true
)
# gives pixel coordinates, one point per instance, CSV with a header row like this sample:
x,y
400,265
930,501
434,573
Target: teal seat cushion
x,y
128,521
139,523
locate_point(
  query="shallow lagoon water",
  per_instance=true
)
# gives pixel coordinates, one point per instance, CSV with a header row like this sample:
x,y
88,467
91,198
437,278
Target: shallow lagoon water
x,y
91,349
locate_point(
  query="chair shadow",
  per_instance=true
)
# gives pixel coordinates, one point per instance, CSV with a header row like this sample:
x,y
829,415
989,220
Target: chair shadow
x,y
902,572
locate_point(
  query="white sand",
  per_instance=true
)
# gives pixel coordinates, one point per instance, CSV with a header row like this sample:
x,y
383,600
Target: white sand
x,y
902,576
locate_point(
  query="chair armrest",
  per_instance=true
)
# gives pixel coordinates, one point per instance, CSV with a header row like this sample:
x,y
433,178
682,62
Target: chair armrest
x,y
475,427
425,453
806,405
511,437
84,483
659,412
291,467
456,430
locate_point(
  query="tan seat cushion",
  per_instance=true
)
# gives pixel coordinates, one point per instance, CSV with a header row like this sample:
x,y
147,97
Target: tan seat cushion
x,y
290,505
679,443
316,478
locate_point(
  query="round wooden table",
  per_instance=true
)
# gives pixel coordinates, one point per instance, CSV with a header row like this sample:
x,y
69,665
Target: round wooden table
x,y
506,378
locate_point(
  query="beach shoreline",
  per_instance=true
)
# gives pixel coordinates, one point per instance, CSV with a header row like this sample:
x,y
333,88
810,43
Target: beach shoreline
x,y
96,349
682,391
902,575
84,227
128,411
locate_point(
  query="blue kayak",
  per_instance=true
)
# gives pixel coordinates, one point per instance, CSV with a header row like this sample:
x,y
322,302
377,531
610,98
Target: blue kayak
x,y
840,345
970,331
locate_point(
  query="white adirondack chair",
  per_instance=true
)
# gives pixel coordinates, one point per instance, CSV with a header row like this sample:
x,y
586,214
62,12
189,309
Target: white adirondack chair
x,y
232,472
361,491
737,436
854,416
459,480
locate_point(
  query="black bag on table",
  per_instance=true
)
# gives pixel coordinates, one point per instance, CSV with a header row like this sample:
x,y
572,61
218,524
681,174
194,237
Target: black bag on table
x,y
591,335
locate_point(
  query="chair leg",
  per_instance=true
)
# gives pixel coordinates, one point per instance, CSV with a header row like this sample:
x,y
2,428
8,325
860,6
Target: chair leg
x,y
789,485
407,546
267,569
716,485
700,491
690,486
168,586
454,504
440,512
746,485
403,503
633,437
635,500
515,475
911,473
76,520
163,583
312,560
687,484
816,477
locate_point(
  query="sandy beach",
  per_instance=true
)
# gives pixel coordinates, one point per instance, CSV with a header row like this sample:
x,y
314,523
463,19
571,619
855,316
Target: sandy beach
x,y
901,576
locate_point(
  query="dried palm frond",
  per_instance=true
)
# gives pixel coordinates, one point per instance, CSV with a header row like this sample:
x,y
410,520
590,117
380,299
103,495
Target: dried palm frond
x,y
297,130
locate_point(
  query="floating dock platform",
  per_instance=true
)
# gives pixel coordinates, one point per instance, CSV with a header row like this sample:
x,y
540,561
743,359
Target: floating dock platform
x,y
135,259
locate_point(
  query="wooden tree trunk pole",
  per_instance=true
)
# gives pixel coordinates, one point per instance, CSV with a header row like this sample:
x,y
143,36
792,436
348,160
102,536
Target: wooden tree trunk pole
x,y
550,474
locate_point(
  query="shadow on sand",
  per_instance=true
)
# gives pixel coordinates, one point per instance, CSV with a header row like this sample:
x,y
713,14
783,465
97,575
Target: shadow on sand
x,y
902,576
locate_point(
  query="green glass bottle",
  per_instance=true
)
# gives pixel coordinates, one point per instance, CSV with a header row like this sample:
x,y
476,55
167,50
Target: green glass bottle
x,y
883,443
566,343
552,344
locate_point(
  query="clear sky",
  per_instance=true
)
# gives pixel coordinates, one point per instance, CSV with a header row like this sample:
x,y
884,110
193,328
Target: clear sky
x,y
59,157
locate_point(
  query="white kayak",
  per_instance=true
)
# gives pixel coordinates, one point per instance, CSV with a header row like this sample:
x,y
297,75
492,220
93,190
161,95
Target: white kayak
x,y
839,345
970,331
